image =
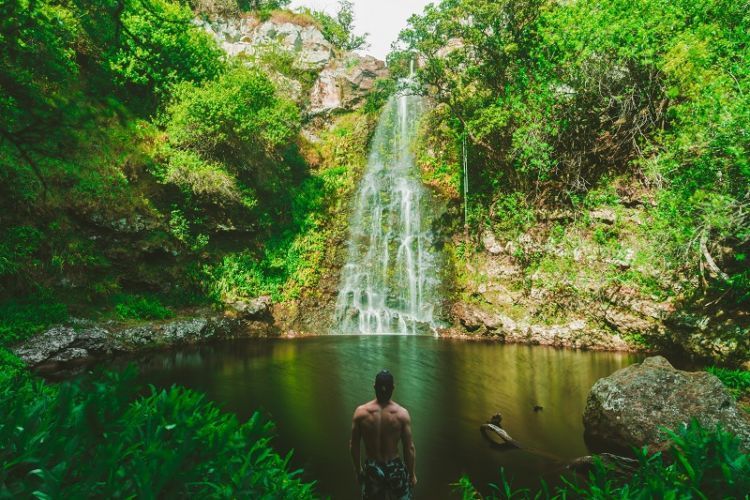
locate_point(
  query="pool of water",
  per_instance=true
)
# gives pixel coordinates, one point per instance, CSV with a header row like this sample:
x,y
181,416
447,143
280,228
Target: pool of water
x,y
311,386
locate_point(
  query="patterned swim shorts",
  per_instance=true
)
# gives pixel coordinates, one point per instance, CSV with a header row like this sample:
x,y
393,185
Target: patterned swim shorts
x,y
381,481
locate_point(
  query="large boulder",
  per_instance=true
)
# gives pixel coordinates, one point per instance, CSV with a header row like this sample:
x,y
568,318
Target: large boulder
x,y
630,407
62,343
344,84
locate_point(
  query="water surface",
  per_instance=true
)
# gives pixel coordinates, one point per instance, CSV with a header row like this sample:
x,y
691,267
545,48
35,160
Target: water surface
x,y
310,388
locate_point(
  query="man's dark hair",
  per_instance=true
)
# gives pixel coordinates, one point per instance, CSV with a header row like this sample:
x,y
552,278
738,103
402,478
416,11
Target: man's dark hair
x,y
383,386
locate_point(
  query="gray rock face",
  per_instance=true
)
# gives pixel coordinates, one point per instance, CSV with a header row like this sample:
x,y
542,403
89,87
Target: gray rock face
x,y
575,333
628,408
343,80
248,36
258,308
344,84
63,345
490,243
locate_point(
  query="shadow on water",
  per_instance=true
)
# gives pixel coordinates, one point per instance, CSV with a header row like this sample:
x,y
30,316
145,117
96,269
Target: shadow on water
x,y
310,388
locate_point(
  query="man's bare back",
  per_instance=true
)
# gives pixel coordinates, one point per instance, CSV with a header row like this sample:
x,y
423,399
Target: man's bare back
x,y
381,428
381,424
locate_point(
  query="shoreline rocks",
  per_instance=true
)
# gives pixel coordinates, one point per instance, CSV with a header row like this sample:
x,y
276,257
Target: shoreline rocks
x,y
482,324
63,346
630,407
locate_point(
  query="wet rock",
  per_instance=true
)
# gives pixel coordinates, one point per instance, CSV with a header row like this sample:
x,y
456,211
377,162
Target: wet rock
x,y
45,346
52,350
62,343
174,333
628,408
70,355
576,333
474,319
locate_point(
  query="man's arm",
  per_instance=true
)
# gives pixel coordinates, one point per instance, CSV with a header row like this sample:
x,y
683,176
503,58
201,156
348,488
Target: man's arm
x,y
354,443
410,452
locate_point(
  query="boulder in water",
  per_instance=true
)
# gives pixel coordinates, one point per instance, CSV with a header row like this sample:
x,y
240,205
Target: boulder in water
x,y
630,407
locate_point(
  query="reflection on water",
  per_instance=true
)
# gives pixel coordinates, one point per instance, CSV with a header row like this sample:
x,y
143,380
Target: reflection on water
x,y
310,388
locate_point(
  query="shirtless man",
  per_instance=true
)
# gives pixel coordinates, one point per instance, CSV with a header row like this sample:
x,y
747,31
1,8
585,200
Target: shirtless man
x,y
381,424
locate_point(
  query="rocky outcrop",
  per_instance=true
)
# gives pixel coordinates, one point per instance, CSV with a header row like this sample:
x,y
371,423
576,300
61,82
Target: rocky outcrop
x,y
547,284
248,36
344,84
576,334
85,342
342,80
630,407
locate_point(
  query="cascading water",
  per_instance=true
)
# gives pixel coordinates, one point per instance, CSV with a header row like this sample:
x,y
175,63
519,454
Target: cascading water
x,y
390,281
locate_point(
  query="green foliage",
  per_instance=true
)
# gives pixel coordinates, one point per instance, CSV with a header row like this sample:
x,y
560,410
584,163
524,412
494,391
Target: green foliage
x,y
140,307
295,256
700,463
292,259
262,5
737,381
74,79
559,97
379,95
512,212
161,48
228,139
97,438
20,319
339,30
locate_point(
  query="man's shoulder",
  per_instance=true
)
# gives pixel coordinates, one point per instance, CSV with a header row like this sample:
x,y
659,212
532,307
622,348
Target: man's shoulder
x,y
402,412
363,409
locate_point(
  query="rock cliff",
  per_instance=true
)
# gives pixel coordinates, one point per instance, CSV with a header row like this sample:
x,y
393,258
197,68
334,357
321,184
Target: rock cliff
x,y
305,66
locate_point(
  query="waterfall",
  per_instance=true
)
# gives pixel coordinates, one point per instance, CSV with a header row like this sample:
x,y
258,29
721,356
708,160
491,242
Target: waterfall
x,y
390,280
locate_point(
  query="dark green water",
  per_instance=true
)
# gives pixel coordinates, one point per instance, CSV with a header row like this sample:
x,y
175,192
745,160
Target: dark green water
x,y
310,388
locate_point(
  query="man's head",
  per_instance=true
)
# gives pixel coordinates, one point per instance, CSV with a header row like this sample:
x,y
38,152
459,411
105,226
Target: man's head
x,y
383,386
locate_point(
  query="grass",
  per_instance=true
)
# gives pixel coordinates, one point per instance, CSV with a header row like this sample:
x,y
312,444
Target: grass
x,y
20,319
737,381
140,307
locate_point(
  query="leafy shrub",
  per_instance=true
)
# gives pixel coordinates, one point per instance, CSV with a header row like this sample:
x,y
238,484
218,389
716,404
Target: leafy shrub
x,y
140,307
379,95
339,30
558,98
700,463
737,381
262,5
230,133
20,319
512,213
96,438
163,48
